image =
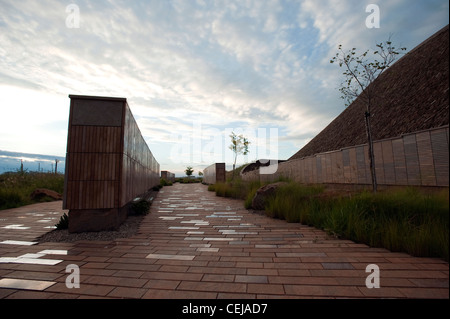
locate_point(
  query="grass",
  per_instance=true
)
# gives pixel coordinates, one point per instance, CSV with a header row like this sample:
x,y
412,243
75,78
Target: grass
x,y
188,180
407,220
16,187
164,182
237,189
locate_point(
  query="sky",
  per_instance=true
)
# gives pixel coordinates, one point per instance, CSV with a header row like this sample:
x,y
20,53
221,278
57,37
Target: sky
x,y
193,71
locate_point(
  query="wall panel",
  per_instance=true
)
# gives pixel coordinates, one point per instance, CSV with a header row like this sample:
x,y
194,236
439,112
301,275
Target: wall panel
x,y
214,173
420,158
108,162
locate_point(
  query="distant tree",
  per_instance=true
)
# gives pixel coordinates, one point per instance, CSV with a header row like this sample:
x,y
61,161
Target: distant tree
x,y
200,173
239,145
189,170
361,70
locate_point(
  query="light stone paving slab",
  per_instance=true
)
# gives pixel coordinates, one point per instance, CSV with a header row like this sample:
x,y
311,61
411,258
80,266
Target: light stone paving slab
x,y
169,257
25,284
18,242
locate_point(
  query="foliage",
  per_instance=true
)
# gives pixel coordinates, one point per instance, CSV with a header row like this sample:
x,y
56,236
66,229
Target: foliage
x,y
140,207
16,187
252,189
239,145
408,220
164,182
359,74
403,220
188,180
63,222
360,71
156,188
189,170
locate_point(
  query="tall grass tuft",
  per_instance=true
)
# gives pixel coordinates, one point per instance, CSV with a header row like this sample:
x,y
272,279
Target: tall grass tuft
x,y
403,220
407,220
16,187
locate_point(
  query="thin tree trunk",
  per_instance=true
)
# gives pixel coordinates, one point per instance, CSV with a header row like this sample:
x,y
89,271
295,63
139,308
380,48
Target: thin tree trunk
x,y
371,153
234,165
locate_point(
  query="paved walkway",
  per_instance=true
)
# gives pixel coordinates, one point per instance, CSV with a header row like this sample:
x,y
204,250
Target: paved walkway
x,y
196,245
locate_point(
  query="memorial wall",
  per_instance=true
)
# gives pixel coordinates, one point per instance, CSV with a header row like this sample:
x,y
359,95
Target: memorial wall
x,y
108,163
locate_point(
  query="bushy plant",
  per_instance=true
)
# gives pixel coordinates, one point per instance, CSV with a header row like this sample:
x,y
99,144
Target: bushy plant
x,y
405,220
16,187
156,188
63,222
164,182
140,207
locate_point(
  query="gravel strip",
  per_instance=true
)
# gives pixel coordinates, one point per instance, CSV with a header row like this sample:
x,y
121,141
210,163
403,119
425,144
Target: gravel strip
x,y
128,228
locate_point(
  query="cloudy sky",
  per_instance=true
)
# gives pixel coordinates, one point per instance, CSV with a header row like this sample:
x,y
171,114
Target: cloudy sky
x,y
191,70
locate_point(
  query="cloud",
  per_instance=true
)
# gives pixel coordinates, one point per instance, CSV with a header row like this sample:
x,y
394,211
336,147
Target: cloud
x,y
246,63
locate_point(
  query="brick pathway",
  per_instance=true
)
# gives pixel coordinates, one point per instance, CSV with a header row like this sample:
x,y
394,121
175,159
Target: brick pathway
x,y
197,245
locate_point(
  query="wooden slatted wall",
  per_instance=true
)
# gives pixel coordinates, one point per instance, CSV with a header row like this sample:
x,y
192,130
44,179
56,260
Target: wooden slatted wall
x,y
417,159
108,162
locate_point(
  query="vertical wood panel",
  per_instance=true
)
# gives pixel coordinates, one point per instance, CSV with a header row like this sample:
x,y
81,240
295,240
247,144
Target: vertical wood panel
x,y
346,165
425,155
353,169
388,162
367,159
378,153
319,169
398,151
361,165
328,168
412,159
339,178
440,149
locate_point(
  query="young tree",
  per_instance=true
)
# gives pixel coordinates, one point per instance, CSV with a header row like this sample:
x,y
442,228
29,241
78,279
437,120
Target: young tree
x,y
239,145
360,72
189,170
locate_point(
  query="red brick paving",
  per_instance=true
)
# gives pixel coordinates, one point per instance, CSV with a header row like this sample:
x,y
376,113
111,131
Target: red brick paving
x,y
196,245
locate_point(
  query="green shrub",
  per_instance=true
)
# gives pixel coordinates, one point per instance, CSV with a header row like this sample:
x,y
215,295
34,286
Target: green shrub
x,y
10,199
156,188
16,187
63,222
188,180
404,220
140,207
164,182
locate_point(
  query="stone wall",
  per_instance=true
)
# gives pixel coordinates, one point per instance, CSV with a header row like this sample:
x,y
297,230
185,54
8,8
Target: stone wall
x,y
416,159
108,163
214,173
